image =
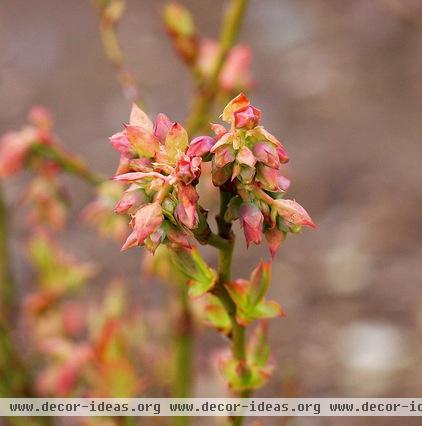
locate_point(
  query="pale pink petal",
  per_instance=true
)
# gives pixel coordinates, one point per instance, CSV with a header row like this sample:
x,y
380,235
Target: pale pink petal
x,y
251,220
139,118
293,212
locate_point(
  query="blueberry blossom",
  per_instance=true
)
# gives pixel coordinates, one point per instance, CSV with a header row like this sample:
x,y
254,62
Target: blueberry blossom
x,y
162,171
246,162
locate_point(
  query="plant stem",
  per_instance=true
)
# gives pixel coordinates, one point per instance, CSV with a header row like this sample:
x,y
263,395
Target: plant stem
x,y
225,257
68,163
184,344
6,279
208,91
184,339
114,52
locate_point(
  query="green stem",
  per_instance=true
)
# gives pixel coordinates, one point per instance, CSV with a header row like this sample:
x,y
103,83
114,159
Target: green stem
x,y
114,53
225,258
68,163
184,346
208,91
6,279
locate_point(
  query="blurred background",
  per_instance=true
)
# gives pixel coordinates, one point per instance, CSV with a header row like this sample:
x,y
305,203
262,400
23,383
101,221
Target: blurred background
x,y
340,84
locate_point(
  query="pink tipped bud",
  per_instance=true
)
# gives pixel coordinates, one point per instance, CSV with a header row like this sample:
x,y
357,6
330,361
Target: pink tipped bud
x,y
282,154
251,220
293,212
268,177
247,117
14,148
218,130
146,220
236,74
188,169
142,141
267,154
283,183
207,53
224,155
140,119
162,127
237,103
186,209
120,143
200,146
131,200
274,238
41,117
245,156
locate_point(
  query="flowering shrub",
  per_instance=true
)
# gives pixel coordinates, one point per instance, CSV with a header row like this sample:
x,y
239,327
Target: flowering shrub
x,y
153,200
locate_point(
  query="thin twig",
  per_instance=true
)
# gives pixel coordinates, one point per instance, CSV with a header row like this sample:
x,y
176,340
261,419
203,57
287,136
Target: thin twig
x,y
208,91
109,14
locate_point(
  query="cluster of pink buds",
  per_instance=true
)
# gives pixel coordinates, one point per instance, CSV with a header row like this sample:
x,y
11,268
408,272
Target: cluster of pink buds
x,y
246,162
162,172
15,147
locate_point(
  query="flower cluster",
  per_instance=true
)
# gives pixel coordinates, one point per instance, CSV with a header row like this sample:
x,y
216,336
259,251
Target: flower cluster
x,y
15,147
162,172
246,162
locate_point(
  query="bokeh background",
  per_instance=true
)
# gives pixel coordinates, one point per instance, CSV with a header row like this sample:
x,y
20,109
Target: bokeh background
x,y
340,83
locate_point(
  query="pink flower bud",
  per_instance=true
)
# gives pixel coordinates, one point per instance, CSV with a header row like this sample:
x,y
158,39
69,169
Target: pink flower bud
x,y
251,220
224,155
14,147
178,237
247,117
218,130
120,143
162,127
274,238
268,177
146,220
236,73
207,53
237,103
188,169
292,212
186,209
140,119
141,141
220,175
200,146
283,183
130,201
282,154
267,154
41,117
245,156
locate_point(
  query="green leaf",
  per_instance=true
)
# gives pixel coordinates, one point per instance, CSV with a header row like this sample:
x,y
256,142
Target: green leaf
x,y
212,313
264,310
200,277
259,283
258,350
